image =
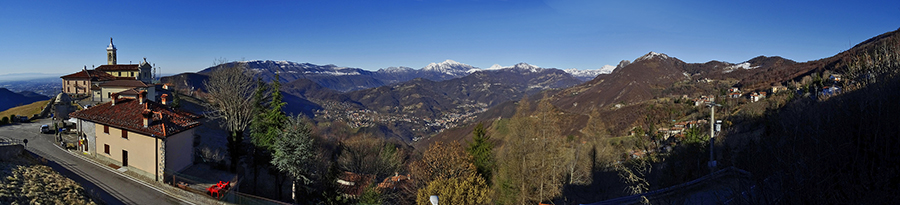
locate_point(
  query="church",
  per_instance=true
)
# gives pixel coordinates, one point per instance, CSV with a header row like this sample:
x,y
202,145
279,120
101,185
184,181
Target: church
x,y
141,71
101,82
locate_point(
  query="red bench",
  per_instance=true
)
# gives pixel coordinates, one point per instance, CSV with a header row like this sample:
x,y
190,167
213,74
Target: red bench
x,y
214,189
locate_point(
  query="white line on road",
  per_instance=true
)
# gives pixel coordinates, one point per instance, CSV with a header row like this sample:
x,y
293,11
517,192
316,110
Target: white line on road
x,y
125,176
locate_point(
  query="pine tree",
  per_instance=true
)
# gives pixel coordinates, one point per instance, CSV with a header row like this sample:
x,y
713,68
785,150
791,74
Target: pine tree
x,y
295,153
482,151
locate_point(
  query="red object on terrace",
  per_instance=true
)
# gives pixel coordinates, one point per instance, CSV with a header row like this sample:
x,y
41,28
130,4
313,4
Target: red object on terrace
x,y
214,189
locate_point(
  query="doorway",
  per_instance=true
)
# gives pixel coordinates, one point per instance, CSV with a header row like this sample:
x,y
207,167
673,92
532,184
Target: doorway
x,y
124,158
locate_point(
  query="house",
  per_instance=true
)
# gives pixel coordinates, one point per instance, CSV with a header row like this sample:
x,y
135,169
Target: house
x,y
756,96
776,89
143,136
394,182
735,92
664,133
703,100
351,185
108,88
82,82
835,77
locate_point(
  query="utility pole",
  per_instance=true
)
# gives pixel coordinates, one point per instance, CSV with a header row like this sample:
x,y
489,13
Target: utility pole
x,y
712,135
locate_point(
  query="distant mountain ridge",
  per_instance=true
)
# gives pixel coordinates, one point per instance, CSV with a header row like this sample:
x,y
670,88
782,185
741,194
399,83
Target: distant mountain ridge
x,y
345,79
424,100
421,107
10,99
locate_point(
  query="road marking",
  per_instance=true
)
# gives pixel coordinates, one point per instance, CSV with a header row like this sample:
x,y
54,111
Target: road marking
x,y
126,176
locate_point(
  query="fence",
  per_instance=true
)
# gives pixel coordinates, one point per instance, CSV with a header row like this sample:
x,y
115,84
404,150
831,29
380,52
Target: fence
x,y
231,195
241,198
10,141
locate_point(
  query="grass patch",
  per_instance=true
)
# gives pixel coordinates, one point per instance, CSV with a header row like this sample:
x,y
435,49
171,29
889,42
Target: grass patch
x,y
26,110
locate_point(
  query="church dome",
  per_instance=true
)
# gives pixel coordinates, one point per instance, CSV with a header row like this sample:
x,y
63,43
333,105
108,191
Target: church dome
x,y
63,98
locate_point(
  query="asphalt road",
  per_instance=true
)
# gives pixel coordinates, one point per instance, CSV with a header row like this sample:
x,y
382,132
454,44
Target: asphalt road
x,y
98,180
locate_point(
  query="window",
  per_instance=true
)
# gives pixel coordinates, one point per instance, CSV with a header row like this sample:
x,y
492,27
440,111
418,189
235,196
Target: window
x,y
132,74
119,75
106,129
125,134
106,148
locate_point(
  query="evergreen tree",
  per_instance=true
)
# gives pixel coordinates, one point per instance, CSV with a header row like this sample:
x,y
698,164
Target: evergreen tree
x,y
295,153
481,149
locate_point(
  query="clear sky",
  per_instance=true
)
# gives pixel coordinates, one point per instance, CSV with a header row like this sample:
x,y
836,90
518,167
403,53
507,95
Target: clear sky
x,y
179,36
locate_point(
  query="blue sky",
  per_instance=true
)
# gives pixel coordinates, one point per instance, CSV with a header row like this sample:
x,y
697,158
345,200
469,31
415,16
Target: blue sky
x,y
182,36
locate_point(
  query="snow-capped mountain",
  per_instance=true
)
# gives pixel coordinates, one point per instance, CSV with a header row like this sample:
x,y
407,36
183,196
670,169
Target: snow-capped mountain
x,y
346,79
524,67
586,75
401,69
744,65
449,67
289,71
652,55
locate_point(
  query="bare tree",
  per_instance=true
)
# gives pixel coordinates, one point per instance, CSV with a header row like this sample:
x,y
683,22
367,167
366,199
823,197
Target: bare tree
x,y
230,96
370,155
532,167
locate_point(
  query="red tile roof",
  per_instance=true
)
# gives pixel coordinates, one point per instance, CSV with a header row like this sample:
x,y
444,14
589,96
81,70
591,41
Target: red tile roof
x,y
393,182
118,67
357,183
124,83
126,114
129,92
92,75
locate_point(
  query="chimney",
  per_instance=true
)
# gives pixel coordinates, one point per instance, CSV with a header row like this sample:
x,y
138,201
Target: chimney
x,y
161,120
147,115
163,98
142,97
115,97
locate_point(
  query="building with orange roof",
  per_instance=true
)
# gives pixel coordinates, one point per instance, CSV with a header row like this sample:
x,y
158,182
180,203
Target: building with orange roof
x,y
150,138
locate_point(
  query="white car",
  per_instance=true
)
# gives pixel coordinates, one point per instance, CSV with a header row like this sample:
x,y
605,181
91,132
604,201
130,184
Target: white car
x,y
45,128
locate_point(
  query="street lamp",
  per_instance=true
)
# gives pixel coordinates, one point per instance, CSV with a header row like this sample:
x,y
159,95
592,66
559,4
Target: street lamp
x,y
712,134
434,199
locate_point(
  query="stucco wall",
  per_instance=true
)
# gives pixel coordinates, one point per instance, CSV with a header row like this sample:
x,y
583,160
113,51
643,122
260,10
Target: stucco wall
x,y
133,74
141,149
96,95
106,91
88,128
76,86
179,150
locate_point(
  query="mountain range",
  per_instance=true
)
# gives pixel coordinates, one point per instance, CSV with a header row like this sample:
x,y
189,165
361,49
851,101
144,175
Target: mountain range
x,y
410,103
10,99
344,79
430,99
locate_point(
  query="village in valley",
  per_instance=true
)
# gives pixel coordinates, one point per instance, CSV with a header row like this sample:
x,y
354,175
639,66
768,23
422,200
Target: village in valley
x,y
444,102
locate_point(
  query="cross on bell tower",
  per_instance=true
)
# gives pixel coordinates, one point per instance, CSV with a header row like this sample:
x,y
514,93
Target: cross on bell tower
x,y
111,53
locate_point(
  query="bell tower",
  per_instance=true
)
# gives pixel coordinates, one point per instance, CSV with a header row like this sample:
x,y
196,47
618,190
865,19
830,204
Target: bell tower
x,y
111,53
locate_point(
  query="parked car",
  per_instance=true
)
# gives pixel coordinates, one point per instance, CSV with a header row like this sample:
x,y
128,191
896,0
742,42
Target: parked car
x,y
45,128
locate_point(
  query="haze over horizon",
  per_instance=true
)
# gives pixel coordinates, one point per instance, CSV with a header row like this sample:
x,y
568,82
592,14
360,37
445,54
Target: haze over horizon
x,y
178,36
